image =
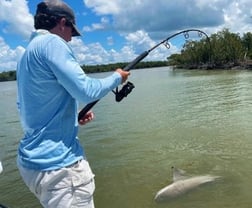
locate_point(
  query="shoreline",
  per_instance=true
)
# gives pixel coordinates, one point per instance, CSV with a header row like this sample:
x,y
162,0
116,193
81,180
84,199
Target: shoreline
x,y
246,65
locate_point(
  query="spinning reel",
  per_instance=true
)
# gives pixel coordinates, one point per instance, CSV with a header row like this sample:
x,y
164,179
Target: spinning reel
x,y
126,89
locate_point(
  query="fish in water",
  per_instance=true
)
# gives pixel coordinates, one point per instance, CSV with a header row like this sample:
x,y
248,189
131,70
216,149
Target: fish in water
x,y
1,167
182,184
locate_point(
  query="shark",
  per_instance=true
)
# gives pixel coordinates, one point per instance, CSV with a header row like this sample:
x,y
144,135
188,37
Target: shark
x,y
1,170
1,167
182,184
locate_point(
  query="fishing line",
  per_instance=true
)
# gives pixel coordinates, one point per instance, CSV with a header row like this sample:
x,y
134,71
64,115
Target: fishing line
x,y
128,87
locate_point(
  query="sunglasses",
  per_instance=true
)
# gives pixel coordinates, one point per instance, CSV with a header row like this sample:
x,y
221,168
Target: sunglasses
x,y
71,24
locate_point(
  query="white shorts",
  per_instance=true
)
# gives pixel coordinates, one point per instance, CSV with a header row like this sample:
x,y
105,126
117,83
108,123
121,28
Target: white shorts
x,y
68,187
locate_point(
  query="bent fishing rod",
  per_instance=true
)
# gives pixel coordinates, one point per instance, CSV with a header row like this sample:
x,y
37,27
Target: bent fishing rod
x,y
128,87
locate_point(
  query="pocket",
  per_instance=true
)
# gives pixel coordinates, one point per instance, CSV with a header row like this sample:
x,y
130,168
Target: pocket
x,y
56,179
83,195
81,173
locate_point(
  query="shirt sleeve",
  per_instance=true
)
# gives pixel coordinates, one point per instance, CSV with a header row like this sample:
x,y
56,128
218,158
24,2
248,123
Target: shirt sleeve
x,y
69,74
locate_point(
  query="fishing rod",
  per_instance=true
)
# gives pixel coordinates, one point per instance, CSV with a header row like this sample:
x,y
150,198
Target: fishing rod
x,y
128,87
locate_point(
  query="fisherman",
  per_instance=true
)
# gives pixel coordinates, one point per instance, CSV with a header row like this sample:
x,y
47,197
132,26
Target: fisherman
x,y
50,158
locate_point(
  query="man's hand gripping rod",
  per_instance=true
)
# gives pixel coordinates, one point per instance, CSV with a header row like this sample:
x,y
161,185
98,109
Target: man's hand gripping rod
x,y
127,68
83,112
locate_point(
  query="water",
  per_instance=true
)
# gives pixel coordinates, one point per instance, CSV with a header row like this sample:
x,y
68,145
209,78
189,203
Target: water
x,y
199,121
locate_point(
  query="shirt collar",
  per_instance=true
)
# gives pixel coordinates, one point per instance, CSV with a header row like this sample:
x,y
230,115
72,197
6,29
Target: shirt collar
x,y
38,32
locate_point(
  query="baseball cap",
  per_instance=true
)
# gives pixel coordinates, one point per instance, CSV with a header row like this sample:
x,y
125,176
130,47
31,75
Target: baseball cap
x,y
60,9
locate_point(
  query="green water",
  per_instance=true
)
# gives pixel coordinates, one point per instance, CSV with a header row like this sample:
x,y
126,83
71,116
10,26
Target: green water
x,y
199,121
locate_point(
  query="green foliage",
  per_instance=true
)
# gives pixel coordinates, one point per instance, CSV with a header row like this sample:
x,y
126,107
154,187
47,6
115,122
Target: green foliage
x,y
11,75
8,76
113,67
247,44
225,49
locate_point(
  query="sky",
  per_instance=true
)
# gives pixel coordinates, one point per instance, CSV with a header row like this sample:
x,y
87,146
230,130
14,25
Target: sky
x,y
118,30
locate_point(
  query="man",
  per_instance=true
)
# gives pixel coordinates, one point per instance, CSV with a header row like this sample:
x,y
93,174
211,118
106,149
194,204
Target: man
x,y
50,159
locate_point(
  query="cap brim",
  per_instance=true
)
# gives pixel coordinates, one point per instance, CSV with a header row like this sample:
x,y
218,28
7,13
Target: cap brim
x,y
75,31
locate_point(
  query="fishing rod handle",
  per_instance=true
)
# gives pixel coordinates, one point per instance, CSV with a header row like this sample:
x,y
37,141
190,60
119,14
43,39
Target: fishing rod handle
x,y
84,110
88,107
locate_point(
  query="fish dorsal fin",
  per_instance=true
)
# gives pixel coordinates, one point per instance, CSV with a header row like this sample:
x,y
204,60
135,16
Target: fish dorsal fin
x,y
178,174
1,167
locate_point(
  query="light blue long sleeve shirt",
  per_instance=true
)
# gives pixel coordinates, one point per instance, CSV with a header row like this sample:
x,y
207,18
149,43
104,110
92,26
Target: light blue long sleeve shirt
x,y
50,82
